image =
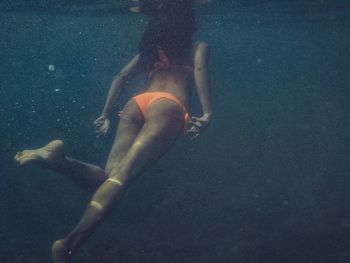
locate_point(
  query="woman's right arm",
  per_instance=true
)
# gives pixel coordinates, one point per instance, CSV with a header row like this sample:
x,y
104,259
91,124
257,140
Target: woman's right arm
x,y
129,71
202,82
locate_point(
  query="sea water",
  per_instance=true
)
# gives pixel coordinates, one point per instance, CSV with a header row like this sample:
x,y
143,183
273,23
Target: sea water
x,y
267,182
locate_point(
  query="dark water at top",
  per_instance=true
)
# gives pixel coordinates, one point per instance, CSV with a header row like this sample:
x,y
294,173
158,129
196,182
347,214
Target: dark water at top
x,y
269,180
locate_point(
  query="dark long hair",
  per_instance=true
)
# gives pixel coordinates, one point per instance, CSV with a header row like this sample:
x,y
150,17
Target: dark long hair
x,y
170,28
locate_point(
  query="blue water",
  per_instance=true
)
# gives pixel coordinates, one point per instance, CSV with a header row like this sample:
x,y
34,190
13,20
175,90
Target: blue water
x,y
269,180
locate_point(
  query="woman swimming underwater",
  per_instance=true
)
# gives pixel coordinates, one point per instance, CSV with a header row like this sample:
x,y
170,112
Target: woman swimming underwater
x,y
150,122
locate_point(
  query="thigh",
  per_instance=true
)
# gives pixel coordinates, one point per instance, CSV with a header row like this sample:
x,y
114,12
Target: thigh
x,y
130,123
163,126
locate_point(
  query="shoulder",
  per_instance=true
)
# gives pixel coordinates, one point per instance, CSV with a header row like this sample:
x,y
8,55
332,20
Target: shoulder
x,y
201,52
201,45
201,49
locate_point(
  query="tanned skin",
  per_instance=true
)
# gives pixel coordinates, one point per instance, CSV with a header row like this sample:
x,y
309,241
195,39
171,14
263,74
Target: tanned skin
x,y
140,141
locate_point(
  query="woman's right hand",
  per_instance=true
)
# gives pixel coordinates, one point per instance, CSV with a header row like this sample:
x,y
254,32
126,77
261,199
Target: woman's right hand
x,y
102,124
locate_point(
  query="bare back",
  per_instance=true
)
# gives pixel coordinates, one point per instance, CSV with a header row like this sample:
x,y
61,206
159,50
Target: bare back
x,y
177,79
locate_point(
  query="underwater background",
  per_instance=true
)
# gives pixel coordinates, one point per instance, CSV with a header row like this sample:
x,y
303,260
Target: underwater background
x,y
269,181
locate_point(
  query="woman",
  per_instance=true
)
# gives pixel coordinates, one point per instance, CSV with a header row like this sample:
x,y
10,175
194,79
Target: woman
x,y
150,122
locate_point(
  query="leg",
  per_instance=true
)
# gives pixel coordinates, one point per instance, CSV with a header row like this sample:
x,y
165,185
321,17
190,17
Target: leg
x,y
130,123
163,125
52,157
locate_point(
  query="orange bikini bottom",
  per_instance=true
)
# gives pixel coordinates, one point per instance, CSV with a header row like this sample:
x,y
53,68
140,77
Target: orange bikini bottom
x,y
144,100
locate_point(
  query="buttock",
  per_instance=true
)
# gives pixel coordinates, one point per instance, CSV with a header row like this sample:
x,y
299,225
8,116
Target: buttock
x,y
144,101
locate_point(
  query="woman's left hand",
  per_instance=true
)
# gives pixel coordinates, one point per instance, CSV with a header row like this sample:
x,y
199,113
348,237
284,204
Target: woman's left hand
x,y
198,125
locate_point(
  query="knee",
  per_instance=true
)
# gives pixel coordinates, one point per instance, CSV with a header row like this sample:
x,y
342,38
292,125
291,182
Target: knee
x,y
121,176
116,180
109,169
111,189
112,169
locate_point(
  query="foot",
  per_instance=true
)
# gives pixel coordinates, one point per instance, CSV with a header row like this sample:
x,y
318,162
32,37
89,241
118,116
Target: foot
x,y
60,252
50,154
